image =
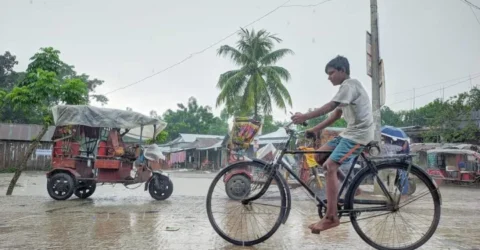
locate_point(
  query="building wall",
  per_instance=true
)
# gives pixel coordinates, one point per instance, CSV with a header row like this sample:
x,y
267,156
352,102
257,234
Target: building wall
x,y
11,152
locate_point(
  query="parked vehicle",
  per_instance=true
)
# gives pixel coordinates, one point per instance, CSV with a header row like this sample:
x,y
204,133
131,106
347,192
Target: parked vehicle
x,y
454,166
89,149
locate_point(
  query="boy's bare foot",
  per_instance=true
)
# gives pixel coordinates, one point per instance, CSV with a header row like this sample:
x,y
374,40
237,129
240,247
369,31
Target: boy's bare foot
x,y
325,224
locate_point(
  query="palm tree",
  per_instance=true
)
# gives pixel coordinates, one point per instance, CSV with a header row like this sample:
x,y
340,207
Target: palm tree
x,y
258,81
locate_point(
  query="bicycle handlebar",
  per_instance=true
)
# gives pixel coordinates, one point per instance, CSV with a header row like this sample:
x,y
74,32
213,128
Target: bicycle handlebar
x,y
291,132
291,123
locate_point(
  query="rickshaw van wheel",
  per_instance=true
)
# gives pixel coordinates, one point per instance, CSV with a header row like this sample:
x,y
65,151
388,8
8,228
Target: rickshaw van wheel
x,y
412,186
160,187
238,187
60,186
85,190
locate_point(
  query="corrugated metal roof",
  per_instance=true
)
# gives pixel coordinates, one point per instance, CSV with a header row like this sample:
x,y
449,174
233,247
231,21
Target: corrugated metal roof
x,y
273,141
23,132
194,137
184,142
204,142
216,145
280,133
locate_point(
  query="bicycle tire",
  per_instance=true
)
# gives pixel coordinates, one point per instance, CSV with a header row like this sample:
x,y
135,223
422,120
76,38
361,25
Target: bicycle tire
x,y
403,166
280,218
288,194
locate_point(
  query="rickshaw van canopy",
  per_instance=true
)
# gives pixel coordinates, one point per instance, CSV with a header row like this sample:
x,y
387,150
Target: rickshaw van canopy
x,y
106,118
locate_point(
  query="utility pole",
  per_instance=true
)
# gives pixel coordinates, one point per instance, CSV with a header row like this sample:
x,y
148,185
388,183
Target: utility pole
x,y
413,108
375,70
375,55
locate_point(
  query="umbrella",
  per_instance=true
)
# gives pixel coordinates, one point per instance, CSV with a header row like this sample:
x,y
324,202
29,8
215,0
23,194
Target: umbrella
x,y
394,133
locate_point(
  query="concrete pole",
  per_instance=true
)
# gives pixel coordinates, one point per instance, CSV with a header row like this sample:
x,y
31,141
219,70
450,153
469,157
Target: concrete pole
x,y
376,83
375,70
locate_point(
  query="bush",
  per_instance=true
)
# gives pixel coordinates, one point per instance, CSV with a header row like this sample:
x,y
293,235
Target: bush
x,y
7,170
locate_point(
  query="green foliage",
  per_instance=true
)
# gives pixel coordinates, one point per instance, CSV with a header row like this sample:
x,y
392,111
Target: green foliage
x,y
47,77
42,88
47,59
269,125
40,95
217,127
161,138
92,84
258,83
8,79
232,109
8,76
2,97
449,121
340,123
8,170
192,118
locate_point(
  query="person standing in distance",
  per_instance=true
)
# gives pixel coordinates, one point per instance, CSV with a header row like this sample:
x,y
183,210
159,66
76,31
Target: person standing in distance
x,y
353,103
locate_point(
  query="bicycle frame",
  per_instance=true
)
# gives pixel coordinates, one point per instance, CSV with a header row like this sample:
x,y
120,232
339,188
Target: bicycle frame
x,y
276,164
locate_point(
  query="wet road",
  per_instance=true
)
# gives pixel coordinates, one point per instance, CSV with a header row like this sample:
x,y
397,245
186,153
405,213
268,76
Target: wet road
x,y
120,218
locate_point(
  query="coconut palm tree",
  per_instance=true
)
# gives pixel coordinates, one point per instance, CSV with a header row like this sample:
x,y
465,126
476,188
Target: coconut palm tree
x,y
258,82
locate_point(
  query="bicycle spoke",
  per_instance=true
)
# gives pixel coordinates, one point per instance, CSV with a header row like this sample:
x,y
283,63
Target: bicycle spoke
x,y
378,212
417,198
401,227
246,224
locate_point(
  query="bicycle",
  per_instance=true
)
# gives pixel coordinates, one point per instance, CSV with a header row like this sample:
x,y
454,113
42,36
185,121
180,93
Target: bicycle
x,y
316,176
385,203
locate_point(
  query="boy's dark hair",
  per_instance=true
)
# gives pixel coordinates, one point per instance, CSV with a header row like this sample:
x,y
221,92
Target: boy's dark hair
x,y
339,63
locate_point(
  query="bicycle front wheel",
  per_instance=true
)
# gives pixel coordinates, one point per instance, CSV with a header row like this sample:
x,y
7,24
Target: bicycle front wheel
x,y
252,223
408,221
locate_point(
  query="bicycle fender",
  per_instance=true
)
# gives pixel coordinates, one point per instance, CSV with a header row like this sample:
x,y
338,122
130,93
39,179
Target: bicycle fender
x,y
260,161
349,188
434,183
422,172
427,176
153,174
289,199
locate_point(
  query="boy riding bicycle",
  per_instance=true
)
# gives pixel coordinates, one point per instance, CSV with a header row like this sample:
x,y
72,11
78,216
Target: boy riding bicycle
x,y
353,103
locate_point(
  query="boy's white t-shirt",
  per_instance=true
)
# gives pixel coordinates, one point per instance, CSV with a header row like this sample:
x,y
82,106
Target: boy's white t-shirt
x,y
357,112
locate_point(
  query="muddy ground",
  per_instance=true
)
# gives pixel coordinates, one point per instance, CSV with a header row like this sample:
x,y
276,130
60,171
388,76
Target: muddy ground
x,y
119,218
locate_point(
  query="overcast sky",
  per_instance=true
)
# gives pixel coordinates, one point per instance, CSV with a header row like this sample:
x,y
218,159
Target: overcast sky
x,y
422,42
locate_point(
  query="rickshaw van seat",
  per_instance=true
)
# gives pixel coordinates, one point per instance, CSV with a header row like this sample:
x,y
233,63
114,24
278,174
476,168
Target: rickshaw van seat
x,y
116,143
102,148
73,149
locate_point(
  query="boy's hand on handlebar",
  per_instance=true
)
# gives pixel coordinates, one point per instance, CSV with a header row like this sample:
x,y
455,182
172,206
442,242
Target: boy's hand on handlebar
x,y
299,118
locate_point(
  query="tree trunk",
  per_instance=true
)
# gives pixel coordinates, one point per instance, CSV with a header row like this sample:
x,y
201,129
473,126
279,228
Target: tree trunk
x,y
23,162
255,99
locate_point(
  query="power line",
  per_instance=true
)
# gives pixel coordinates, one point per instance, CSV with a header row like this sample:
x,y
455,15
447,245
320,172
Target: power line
x,y
408,99
471,4
438,83
306,5
214,44
473,12
198,52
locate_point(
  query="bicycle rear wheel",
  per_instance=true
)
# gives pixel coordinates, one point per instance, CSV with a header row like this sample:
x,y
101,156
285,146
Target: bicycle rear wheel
x,y
252,223
408,222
